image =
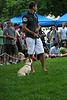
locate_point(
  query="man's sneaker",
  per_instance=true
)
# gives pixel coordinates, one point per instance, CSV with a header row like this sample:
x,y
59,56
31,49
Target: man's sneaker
x,y
1,64
7,63
10,61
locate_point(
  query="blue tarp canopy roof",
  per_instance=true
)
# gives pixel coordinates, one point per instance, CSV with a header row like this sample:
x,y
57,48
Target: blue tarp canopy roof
x,y
61,20
43,21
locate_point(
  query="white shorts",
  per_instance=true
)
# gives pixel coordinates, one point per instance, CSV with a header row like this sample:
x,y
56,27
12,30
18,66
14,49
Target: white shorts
x,y
34,45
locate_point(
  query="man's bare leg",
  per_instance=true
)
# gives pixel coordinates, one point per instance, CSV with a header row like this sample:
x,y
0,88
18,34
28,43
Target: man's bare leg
x,y
42,59
32,69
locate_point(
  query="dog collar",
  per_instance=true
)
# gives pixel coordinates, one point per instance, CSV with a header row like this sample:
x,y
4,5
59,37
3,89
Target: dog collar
x,y
28,64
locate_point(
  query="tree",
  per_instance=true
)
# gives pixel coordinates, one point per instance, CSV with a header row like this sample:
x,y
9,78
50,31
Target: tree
x,y
12,8
53,7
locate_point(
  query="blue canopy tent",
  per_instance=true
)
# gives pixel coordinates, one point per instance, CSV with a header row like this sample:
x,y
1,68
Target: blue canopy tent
x,y
43,21
61,20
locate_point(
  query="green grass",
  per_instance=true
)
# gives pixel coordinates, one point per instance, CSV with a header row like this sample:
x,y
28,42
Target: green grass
x,y
38,86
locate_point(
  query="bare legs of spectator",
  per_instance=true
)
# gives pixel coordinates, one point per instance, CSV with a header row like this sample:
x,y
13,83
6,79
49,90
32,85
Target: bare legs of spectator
x,y
13,60
0,61
7,60
16,60
4,58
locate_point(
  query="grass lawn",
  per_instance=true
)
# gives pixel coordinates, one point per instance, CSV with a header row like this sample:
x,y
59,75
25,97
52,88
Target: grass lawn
x,y
51,85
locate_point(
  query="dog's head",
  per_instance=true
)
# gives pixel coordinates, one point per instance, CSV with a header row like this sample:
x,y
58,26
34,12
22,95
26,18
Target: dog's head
x,y
29,61
21,56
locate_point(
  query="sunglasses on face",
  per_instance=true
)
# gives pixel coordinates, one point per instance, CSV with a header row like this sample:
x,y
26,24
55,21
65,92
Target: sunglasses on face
x,y
8,23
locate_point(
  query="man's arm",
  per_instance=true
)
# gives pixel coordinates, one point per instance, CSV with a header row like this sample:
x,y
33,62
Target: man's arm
x,y
8,36
2,36
59,37
64,51
50,38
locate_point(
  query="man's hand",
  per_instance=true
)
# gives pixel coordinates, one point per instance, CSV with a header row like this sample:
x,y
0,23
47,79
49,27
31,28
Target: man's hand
x,y
59,40
35,35
14,38
37,31
4,36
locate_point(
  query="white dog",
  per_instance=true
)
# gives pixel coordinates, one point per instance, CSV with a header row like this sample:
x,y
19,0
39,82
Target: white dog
x,y
21,57
25,70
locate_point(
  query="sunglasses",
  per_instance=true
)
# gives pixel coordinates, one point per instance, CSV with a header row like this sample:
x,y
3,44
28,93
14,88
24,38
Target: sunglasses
x,y
8,23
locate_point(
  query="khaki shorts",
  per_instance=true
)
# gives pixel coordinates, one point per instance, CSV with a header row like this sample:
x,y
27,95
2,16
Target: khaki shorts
x,y
11,49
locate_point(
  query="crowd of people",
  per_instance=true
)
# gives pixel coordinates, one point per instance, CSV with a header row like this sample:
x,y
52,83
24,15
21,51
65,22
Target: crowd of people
x,y
15,41
58,40
15,38
12,41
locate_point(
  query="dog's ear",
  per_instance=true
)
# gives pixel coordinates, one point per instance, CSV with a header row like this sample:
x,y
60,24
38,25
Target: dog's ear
x,y
24,59
30,60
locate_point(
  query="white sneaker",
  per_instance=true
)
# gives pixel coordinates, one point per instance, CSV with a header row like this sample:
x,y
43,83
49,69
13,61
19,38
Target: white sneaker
x,y
7,63
1,64
10,61
14,62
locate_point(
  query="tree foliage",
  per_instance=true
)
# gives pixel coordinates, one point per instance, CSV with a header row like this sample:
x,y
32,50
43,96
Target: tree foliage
x,y
12,8
53,7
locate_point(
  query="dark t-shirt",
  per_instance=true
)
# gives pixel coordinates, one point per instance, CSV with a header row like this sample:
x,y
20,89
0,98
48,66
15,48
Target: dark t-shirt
x,y
31,20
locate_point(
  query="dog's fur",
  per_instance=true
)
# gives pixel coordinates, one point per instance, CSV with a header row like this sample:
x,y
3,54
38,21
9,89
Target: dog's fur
x,y
21,57
25,70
